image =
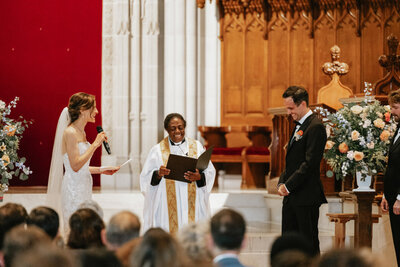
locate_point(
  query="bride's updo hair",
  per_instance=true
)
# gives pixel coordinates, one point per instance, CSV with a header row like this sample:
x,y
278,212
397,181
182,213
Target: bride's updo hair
x,y
80,101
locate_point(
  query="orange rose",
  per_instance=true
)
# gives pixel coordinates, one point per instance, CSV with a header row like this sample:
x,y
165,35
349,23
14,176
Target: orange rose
x,y
6,159
387,116
358,156
10,129
343,148
384,135
300,133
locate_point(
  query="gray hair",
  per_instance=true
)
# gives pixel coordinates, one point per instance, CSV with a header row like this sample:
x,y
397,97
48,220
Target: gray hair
x,y
123,227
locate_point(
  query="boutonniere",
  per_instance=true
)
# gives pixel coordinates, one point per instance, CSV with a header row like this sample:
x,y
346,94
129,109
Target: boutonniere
x,y
298,135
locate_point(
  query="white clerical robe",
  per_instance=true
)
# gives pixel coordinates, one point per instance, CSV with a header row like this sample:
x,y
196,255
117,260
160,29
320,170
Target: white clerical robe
x,y
155,213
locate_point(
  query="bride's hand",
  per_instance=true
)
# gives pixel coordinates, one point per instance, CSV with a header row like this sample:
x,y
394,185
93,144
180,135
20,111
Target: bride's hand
x,y
99,139
111,171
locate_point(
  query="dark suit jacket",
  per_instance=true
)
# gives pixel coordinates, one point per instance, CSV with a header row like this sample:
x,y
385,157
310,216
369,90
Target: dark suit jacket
x,y
229,262
392,175
302,171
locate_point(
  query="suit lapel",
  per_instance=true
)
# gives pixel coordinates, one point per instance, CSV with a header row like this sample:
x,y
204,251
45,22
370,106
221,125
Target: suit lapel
x,y
303,128
393,145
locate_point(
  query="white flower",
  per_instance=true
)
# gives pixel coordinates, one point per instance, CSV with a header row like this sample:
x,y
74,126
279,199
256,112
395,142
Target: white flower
x,y
379,123
350,155
367,123
356,109
387,108
2,105
363,116
380,115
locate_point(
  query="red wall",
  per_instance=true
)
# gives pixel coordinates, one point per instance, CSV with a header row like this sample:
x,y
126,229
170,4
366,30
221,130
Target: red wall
x,y
49,49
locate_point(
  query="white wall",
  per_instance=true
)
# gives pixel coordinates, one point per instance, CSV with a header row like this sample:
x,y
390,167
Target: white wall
x,y
158,57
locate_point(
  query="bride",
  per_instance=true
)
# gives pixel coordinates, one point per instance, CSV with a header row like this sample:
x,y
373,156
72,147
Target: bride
x,y
72,149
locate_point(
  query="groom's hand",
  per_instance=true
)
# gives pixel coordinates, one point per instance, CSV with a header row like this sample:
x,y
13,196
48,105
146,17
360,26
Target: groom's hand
x,y
282,190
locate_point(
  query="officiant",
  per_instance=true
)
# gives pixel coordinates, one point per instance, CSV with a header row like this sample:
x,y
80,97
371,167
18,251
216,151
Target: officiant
x,y
170,204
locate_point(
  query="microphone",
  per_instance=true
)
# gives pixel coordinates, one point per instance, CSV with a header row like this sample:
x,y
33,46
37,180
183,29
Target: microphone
x,y
105,143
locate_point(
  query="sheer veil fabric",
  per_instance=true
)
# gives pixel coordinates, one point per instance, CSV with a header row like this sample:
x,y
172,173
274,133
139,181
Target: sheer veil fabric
x,y
53,198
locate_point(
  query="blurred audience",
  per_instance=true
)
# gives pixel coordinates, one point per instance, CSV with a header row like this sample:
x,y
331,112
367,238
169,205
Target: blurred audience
x,y
291,258
228,229
85,229
21,239
93,205
193,238
45,218
159,249
98,257
45,256
291,241
123,227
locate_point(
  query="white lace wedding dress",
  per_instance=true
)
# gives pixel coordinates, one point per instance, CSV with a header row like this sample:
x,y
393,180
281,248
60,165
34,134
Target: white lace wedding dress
x,y
76,187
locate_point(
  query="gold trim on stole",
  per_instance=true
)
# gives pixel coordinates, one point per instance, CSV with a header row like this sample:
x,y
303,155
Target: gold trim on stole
x,y
170,188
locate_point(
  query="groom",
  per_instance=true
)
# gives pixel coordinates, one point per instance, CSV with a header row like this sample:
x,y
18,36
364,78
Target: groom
x,y
300,182
391,182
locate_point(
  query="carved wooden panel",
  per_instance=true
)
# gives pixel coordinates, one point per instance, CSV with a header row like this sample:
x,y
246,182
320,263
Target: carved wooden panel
x,y
268,45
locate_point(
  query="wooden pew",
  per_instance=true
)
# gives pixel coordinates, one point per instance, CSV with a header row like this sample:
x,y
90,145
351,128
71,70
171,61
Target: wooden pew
x,y
253,150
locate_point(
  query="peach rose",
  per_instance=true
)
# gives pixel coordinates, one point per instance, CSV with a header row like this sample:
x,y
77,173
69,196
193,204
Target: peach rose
x,y
343,148
371,145
329,144
379,123
355,135
384,135
10,129
358,156
3,147
6,159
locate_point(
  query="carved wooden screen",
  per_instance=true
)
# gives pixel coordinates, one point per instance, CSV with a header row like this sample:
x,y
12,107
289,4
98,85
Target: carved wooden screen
x,y
268,45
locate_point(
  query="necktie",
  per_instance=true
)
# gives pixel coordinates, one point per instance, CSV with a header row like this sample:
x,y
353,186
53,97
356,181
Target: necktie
x,y
396,137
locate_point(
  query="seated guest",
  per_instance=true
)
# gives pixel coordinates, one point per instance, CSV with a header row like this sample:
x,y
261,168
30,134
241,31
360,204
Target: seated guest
x,y
21,239
45,218
170,204
158,249
228,229
123,227
291,241
45,256
343,258
91,204
193,239
291,258
11,214
98,257
85,229
125,251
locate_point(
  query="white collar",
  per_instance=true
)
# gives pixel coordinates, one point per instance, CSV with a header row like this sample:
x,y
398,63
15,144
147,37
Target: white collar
x,y
225,256
308,114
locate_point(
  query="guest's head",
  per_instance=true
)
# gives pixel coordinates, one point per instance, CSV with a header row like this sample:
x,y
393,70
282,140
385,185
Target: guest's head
x,y
291,242
11,214
98,257
296,101
228,228
193,239
21,239
91,204
45,218
394,101
123,227
45,256
175,125
82,105
158,249
85,229
292,258
343,258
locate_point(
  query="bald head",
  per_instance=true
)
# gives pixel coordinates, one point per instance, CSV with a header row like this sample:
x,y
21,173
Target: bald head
x,y
123,226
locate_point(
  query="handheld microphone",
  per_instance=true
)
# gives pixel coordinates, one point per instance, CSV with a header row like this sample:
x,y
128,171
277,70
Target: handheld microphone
x,y
105,143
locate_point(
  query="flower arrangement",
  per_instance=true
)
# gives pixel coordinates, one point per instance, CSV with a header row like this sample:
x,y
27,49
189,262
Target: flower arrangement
x,y
358,137
10,135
